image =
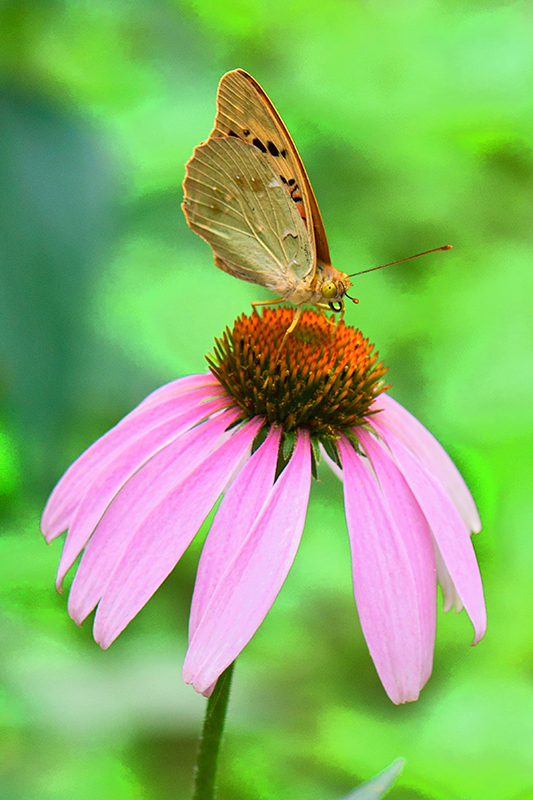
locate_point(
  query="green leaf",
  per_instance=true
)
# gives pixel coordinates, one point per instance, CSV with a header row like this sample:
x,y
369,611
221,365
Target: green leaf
x,y
288,443
260,437
315,458
330,446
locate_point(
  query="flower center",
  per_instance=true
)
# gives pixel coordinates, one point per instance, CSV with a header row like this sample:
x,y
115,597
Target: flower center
x,y
324,379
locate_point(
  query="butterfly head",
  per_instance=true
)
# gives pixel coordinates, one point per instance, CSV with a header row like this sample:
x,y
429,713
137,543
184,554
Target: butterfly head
x,y
334,285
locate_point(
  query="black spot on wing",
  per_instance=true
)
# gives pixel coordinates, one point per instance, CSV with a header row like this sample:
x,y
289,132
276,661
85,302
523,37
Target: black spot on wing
x,y
291,181
232,133
272,149
259,144
283,153
283,178
246,132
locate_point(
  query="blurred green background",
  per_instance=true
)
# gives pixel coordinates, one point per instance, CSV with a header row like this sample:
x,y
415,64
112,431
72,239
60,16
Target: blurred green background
x,y
415,122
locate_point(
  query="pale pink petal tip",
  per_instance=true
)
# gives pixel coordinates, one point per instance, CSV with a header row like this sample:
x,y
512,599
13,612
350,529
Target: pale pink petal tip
x,y
209,691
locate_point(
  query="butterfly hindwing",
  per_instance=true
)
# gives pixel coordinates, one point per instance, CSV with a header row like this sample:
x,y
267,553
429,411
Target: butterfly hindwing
x,y
240,206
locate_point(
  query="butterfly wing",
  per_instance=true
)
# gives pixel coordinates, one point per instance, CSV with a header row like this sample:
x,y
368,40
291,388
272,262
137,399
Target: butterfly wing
x,y
244,110
255,235
237,203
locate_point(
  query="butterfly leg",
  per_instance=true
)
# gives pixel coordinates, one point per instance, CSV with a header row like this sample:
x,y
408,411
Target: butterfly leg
x,y
323,308
286,335
289,330
330,307
266,302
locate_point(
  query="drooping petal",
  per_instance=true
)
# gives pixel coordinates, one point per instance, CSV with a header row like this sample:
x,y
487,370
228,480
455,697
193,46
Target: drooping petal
x,y
424,445
164,533
385,588
139,497
413,529
233,522
66,495
250,584
110,479
448,530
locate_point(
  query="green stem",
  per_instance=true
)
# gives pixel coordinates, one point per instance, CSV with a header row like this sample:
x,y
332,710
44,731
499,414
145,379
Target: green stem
x,y
215,716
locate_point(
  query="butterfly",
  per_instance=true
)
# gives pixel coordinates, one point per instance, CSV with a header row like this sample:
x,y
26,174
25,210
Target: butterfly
x,y
246,192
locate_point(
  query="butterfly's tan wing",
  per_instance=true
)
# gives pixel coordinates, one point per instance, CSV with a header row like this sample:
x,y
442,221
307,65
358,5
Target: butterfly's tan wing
x,y
244,110
237,203
247,193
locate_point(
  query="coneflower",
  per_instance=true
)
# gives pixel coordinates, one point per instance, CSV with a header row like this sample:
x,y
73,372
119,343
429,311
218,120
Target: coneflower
x,y
254,430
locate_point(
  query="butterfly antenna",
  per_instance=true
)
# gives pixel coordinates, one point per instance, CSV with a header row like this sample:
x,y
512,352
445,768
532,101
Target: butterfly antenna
x,y
435,250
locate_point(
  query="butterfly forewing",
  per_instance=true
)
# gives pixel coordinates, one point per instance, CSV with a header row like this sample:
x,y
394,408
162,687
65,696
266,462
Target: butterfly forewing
x,y
248,195
240,206
245,110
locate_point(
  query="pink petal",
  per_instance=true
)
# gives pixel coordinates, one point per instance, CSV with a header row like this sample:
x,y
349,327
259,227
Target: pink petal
x,y
163,533
386,591
233,521
413,528
114,473
72,487
448,530
449,592
137,499
248,587
181,386
424,445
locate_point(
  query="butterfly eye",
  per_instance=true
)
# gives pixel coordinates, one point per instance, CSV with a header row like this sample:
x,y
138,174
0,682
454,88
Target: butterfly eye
x,y
328,290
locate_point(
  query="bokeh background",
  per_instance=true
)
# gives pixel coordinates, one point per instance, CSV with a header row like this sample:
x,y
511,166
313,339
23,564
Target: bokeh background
x,y
415,121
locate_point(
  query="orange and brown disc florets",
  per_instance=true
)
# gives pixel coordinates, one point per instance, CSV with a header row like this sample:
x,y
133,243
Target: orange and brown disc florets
x,y
324,379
